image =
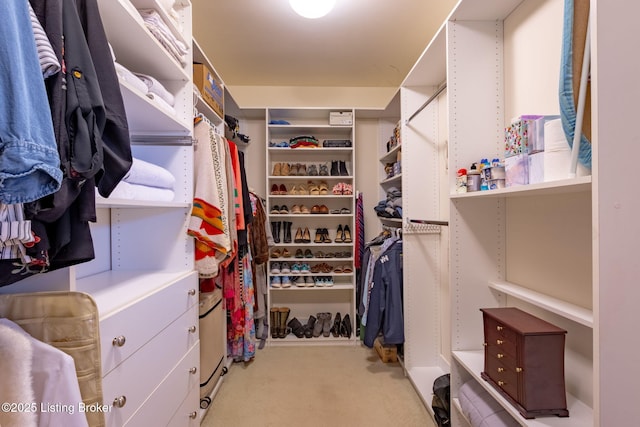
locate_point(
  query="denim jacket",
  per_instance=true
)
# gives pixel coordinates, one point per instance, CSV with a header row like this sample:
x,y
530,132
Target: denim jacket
x,y
29,160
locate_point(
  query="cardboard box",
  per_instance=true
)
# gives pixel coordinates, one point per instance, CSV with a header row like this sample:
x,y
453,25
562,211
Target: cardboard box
x,y
536,167
516,139
210,86
535,130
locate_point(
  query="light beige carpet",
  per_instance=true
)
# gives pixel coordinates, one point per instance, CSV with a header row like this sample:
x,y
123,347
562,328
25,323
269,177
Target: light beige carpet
x,y
312,386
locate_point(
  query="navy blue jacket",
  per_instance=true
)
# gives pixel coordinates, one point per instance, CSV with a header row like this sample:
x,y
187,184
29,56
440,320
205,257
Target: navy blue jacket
x,y
385,303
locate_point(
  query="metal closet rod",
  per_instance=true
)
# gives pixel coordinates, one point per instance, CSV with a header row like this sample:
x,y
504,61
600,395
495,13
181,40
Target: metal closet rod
x,y
429,221
431,98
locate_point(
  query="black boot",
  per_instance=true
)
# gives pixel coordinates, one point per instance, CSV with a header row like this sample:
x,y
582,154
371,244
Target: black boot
x,y
345,329
296,327
335,330
343,169
275,231
287,232
334,168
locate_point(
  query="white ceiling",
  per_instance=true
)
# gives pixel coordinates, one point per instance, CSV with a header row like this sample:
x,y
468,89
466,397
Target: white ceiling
x,y
361,43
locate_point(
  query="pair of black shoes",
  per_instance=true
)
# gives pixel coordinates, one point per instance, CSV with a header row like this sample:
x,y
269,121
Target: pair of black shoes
x,y
341,326
300,330
339,168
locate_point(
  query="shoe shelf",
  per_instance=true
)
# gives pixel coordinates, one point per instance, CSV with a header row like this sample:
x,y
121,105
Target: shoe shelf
x,y
390,156
297,170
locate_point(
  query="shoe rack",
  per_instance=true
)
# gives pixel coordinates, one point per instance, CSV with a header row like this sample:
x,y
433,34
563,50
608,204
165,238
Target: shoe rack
x,y
310,206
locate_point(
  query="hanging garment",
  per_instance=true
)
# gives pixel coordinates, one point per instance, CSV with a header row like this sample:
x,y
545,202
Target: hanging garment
x,y
15,233
576,13
29,161
209,221
55,386
49,63
385,306
238,293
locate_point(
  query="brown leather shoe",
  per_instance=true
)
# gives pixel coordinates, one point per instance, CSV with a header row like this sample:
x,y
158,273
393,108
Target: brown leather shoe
x,y
323,209
299,237
315,209
306,236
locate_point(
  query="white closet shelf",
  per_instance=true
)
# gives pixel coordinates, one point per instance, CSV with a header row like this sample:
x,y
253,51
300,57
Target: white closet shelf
x,y
153,4
146,117
208,112
390,156
276,216
562,308
109,287
315,245
580,414
394,179
308,127
318,150
101,202
422,379
315,288
307,196
291,339
565,186
122,24
314,259
312,177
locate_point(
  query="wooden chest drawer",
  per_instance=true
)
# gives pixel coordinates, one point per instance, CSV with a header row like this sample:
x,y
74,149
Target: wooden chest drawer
x,y
133,381
524,360
124,332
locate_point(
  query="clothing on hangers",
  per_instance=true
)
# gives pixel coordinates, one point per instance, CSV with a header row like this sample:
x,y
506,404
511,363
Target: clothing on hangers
x,y
385,304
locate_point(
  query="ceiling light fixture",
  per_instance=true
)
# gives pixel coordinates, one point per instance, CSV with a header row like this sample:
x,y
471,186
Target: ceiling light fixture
x,y
312,9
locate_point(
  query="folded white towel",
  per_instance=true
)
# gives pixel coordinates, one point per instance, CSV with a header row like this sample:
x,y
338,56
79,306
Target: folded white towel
x,y
127,191
149,174
157,88
126,75
162,103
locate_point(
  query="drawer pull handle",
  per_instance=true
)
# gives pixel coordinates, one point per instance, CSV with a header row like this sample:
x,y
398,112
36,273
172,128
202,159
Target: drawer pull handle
x,y
500,355
500,369
499,342
193,370
192,329
119,341
499,328
501,383
192,292
193,415
518,370
120,401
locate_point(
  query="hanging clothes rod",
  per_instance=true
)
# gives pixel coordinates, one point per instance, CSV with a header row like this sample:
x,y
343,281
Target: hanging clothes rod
x,y
429,221
429,101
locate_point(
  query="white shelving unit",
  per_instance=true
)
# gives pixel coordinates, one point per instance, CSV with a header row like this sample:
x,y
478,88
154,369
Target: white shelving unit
x,y
307,301
560,250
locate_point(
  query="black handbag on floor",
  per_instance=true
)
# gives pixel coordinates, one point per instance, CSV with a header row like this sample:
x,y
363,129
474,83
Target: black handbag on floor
x,y
441,400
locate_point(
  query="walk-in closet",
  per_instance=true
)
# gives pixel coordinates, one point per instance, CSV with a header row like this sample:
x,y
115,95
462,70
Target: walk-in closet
x,y
371,213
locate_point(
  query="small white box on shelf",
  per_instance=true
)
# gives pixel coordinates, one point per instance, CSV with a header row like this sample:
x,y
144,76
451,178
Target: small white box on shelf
x,y
340,118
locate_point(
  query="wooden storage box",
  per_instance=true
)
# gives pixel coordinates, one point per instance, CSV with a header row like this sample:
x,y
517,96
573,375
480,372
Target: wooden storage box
x,y
524,361
388,353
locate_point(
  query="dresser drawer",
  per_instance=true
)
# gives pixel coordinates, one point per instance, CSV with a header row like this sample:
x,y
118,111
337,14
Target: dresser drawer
x,y
124,332
495,330
504,375
188,414
172,394
140,374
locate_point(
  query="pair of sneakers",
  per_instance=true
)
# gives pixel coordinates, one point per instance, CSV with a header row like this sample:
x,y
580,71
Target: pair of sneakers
x,y
300,268
280,268
323,281
280,282
302,281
